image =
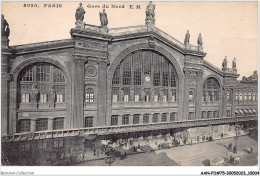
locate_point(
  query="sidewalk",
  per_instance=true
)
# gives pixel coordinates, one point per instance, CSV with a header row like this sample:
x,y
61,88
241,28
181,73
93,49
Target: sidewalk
x,y
89,156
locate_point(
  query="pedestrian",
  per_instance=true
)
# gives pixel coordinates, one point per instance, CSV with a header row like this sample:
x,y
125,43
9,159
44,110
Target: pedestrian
x,y
94,150
125,154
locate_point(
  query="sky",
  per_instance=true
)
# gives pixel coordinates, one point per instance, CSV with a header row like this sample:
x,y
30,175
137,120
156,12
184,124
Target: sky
x,y
228,28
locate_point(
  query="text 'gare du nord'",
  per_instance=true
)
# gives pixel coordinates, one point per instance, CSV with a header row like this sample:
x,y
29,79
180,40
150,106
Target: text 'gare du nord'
x,y
112,83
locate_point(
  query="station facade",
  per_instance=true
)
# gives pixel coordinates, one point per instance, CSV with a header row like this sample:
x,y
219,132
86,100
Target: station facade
x,y
112,77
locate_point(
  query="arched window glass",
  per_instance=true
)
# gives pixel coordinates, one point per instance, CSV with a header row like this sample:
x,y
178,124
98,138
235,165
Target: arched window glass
x,y
146,76
89,98
211,90
49,80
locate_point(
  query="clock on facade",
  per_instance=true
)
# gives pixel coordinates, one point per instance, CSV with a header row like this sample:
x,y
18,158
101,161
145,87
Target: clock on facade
x,y
147,78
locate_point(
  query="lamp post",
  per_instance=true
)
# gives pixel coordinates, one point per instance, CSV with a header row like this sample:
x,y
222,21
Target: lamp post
x,y
235,147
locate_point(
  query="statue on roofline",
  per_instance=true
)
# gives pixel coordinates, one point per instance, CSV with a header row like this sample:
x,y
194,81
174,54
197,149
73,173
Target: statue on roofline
x,y
103,18
234,63
150,14
4,27
79,15
187,38
199,40
224,63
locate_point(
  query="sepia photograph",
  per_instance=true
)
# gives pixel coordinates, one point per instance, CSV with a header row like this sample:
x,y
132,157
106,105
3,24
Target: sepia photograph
x,y
130,83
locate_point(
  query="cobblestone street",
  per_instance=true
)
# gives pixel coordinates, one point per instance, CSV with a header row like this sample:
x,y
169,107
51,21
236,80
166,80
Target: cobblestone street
x,y
189,155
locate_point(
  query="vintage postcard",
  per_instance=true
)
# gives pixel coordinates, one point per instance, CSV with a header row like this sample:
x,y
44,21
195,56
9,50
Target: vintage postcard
x,y
150,83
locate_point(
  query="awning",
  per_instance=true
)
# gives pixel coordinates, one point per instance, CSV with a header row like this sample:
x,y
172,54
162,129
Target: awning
x,y
249,110
245,111
237,111
254,110
241,111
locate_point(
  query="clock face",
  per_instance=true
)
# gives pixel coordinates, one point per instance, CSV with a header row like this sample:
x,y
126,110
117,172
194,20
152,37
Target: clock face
x,y
147,78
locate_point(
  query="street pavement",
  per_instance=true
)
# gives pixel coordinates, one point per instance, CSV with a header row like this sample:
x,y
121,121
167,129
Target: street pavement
x,y
188,155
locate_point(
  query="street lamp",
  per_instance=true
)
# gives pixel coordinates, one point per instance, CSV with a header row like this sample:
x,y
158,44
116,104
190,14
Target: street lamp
x,y
235,147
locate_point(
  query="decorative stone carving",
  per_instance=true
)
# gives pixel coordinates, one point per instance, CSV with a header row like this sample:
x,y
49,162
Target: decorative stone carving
x,y
150,14
91,71
143,95
192,79
80,12
170,95
103,18
34,94
132,95
224,63
151,41
193,60
152,95
4,27
187,38
121,95
91,45
161,95
200,40
234,63
51,94
79,15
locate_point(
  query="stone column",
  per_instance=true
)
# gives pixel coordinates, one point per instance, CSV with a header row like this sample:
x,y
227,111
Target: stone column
x,y
102,94
131,119
186,94
5,86
233,98
224,102
159,117
141,116
119,119
198,94
33,125
168,117
5,80
50,124
79,87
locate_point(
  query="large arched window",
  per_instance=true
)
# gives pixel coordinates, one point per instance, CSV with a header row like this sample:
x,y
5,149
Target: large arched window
x,y
211,90
47,79
146,76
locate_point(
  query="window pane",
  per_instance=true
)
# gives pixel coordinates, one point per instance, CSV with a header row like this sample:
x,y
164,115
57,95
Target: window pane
x,y
58,75
27,75
146,118
147,62
116,77
155,118
125,119
89,95
89,122
126,64
166,72
137,67
43,73
136,119
58,123
41,124
25,125
157,69
114,120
